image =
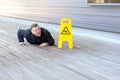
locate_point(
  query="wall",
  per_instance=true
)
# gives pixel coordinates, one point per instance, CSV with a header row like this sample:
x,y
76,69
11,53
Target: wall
x,y
95,17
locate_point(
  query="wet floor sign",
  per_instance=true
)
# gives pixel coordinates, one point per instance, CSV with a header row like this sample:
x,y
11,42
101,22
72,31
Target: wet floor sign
x,y
65,34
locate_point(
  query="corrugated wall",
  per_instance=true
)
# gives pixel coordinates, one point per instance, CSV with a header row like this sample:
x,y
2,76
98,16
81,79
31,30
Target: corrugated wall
x,y
95,17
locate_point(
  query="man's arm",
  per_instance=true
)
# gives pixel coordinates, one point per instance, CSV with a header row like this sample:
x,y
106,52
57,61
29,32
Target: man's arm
x,y
21,35
49,38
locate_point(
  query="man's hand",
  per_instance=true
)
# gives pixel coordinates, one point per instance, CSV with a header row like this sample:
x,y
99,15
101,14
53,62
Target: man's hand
x,y
21,43
44,44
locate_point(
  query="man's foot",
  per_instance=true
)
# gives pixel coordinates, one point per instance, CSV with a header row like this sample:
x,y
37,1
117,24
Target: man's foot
x,y
19,27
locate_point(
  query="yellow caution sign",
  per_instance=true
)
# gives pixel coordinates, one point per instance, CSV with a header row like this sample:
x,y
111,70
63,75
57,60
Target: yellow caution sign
x,y
65,32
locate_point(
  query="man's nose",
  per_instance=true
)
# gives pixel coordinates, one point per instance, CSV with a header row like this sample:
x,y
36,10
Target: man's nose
x,y
38,31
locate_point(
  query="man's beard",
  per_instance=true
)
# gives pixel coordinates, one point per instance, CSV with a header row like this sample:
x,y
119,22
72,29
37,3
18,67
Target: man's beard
x,y
38,35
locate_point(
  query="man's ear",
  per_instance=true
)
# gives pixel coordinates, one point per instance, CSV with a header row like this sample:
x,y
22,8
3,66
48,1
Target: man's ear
x,y
31,29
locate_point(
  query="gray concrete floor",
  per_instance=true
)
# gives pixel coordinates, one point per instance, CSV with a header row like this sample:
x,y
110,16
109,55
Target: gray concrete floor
x,y
95,56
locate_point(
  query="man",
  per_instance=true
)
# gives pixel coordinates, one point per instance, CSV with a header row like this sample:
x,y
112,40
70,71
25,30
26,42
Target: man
x,y
35,35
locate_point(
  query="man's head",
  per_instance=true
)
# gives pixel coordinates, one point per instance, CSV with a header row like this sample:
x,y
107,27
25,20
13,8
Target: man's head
x,y
35,29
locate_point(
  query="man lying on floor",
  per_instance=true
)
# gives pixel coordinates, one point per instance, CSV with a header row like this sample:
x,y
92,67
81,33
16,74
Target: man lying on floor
x,y
35,35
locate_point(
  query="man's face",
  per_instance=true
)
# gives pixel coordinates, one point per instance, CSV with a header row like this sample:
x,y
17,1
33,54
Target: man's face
x,y
36,31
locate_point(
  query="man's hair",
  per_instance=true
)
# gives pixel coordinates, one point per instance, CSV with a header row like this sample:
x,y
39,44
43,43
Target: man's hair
x,y
34,25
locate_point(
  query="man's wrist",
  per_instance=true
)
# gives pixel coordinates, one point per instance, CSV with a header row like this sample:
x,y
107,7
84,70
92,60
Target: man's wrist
x,y
46,43
21,43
